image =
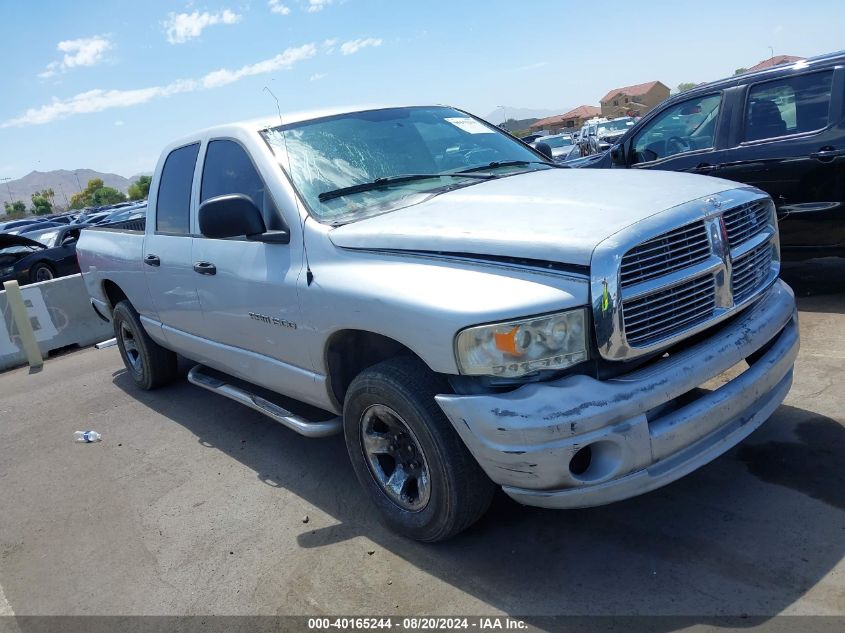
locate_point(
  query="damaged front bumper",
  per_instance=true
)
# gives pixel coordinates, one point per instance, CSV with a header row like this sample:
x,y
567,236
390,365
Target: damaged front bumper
x,y
579,442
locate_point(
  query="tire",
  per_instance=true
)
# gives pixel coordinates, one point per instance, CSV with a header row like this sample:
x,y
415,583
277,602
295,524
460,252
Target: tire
x,y
148,363
451,491
42,271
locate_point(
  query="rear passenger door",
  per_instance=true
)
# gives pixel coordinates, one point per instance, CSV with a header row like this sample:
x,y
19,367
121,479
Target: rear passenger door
x,y
791,144
168,267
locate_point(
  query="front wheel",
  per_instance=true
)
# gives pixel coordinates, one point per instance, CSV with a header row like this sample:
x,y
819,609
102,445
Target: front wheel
x,y
405,453
42,271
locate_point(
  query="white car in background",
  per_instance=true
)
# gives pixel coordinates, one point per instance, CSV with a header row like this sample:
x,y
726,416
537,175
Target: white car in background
x,y
560,144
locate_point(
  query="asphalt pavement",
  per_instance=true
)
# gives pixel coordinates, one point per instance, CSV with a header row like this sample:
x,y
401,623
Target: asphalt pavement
x,y
193,504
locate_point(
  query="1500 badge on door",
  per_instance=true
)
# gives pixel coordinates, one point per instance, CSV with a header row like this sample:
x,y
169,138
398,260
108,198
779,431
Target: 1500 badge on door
x,y
272,320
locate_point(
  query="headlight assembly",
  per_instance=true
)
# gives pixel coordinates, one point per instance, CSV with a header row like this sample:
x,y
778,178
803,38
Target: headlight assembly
x,y
515,348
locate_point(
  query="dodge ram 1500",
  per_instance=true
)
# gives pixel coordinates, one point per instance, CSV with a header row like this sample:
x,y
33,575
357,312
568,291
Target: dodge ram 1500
x,y
466,312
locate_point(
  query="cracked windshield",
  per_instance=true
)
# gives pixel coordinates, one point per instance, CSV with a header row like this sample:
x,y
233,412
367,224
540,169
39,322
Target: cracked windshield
x,y
332,154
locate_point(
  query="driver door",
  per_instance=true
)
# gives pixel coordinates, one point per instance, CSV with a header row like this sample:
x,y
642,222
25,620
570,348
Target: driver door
x,y
681,138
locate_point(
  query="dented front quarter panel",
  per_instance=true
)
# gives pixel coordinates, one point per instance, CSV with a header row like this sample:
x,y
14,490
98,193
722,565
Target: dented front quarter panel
x,y
526,438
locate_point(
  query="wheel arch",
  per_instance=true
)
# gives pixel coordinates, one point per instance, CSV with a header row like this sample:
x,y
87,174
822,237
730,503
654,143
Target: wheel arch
x,y
348,352
113,293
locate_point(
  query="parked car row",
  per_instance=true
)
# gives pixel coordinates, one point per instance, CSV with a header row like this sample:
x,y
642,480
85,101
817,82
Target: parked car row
x,y
43,248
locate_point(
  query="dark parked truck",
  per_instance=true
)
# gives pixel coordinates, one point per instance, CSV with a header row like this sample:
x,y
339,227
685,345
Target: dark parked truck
x,y
466,312
781,130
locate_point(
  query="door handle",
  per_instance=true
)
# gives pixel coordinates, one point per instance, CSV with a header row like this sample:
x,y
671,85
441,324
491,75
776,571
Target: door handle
x,y
152,260
205,268
705,167
826,154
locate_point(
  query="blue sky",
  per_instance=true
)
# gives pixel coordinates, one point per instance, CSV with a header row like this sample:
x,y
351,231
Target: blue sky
x,y
104,84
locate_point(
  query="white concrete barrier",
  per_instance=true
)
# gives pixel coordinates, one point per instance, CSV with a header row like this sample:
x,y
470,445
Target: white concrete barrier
x,y
60,313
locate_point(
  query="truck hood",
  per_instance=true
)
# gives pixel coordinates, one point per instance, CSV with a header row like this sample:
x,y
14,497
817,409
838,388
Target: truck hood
x,y
555,215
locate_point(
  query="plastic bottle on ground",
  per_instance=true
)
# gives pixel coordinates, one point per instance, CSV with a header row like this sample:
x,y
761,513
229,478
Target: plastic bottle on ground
x,y
87,436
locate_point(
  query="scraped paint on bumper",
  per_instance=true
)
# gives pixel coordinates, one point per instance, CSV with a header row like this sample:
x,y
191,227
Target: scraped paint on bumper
x,y
644,429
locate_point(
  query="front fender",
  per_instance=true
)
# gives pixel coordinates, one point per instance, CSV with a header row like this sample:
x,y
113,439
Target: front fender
x,y
423,302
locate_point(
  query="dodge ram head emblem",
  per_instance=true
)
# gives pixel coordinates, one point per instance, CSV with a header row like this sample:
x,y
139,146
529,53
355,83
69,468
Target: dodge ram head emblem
x,y
714,202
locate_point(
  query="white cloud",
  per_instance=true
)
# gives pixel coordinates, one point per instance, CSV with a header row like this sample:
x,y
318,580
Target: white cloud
x,y
532,66
181,27
353,46
278,7
99,100
282,61
317,5
95,101
328,46
118,123
317,77
85,51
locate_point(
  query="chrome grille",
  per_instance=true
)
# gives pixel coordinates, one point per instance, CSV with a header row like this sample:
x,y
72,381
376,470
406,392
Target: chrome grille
x,y
707,259
746,221
661,314
750,271
665,253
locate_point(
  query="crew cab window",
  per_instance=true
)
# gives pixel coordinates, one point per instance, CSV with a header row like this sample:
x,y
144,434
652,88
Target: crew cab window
x,y
684,127
228,169
173,206
793,105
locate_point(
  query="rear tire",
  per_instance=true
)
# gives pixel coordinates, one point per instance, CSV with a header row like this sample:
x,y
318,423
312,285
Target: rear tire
x,y
148,363
405,453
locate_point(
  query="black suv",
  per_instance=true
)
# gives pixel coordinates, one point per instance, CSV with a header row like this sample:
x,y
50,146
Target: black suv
x,y
780,129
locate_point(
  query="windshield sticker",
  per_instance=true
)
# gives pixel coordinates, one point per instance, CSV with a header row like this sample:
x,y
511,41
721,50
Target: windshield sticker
x,y
469,125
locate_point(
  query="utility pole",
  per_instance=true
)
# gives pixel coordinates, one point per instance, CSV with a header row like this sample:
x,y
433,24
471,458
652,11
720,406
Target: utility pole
x,y
504,115
62,189
77,182
9,188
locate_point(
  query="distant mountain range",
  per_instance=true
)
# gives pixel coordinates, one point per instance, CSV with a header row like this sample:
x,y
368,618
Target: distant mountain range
x,y
63,182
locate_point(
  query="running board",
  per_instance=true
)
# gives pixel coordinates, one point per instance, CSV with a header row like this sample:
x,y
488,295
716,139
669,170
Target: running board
x,y
294,422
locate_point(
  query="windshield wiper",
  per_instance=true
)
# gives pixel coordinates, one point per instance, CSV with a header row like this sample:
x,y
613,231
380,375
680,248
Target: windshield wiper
x,y
388,181
507,163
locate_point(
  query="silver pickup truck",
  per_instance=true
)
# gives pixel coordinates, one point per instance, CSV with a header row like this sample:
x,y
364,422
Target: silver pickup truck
x,y
467,313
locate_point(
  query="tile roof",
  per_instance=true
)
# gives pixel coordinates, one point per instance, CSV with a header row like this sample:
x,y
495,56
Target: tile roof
x,y
630,91
581,112
777,60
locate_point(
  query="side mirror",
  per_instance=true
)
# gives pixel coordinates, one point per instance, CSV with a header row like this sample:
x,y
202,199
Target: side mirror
x,y
545,149
233,215
617,155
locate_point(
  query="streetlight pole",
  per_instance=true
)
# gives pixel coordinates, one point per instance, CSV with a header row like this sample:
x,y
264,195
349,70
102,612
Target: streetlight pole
x,y
504,115
77,181
772,51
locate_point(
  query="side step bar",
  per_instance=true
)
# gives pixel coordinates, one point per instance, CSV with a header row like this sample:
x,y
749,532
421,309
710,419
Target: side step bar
x,y
294,422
